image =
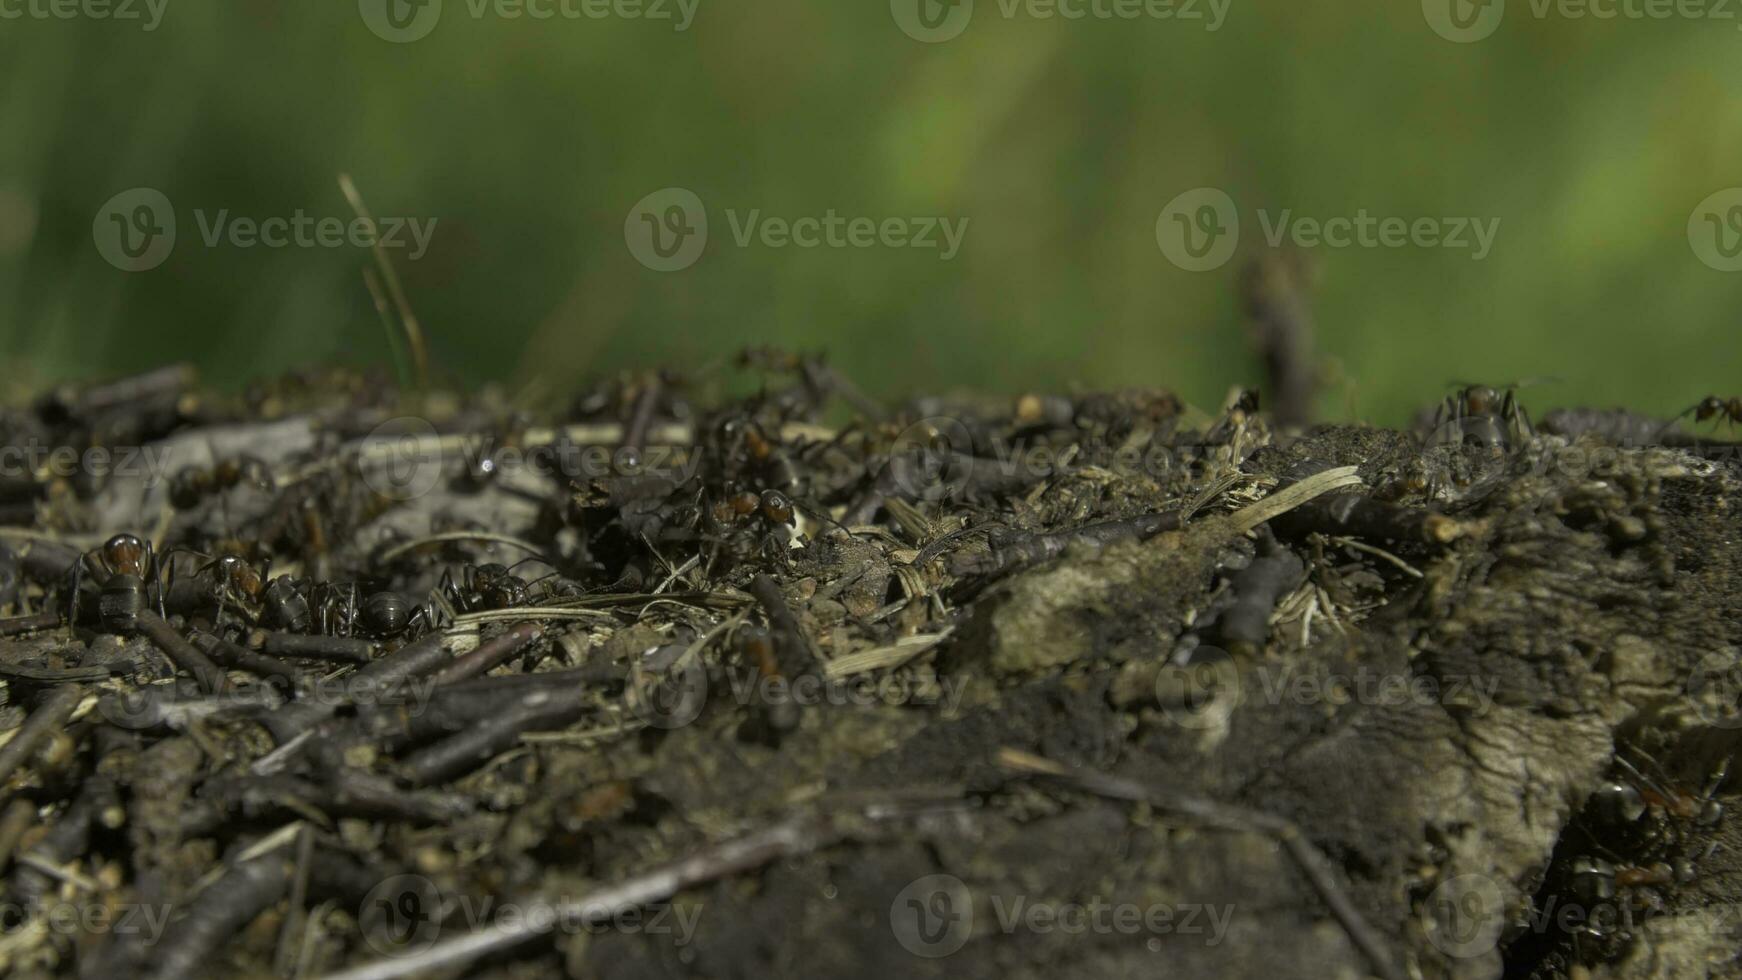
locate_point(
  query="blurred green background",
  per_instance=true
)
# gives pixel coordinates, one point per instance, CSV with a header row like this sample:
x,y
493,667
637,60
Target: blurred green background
x,y
530,141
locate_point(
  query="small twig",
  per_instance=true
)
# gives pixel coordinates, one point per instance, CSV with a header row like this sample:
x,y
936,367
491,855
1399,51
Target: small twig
x,y
489,655
879,658
47,719
406,547
1295,495
182,653
790,838
1378,552
218,913
407,319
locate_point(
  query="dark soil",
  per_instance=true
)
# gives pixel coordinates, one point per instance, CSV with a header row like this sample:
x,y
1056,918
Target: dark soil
x,y
669,683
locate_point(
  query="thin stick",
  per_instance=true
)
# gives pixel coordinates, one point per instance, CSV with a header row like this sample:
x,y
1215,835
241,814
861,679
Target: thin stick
x,y
791,838
513,542
47,719
182,653
407,319
1378,553
489,655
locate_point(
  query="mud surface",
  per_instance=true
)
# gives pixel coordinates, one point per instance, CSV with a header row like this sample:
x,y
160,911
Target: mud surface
x,y
674,684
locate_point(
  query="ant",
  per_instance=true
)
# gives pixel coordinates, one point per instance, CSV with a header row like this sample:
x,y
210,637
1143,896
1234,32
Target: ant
x,y
192,484
389,613
127,564
1482,415
487,586
1709,408
774,512
295,605
1652,823
223,581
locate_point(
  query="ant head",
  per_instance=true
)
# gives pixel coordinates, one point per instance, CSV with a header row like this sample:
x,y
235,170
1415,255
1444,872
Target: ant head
x,y
776,508
1480,400
1619,803
240,576
126,554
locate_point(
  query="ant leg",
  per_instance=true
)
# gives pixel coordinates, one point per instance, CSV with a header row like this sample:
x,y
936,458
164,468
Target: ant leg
x,y
152,570
73,597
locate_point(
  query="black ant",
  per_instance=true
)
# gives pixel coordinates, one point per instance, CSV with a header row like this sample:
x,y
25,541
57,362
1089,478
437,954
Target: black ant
x,y
1651,823
127,564
487,586
1482,415
1709,408
192,484
389,613
223,582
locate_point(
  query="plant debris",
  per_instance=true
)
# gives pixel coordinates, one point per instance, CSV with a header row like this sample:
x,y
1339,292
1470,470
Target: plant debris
x,y
332,680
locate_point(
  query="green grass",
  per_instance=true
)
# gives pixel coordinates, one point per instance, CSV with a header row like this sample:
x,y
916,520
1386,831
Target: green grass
x,y
529,141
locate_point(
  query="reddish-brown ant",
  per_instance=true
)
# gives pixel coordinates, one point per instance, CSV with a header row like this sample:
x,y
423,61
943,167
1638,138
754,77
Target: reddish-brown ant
x,y
127,564
1709,408
1483,415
